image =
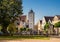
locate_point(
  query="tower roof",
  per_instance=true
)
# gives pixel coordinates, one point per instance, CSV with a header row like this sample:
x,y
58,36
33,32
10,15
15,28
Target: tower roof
x,y
31,11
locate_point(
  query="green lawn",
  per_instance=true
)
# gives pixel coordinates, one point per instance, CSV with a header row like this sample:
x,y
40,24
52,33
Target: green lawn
x,y
22,37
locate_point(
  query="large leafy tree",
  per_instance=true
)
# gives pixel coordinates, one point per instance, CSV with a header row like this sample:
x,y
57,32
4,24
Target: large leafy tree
x,y
57,25
9,10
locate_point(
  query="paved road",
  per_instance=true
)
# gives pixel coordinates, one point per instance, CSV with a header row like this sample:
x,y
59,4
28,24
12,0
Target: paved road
x,y
33,40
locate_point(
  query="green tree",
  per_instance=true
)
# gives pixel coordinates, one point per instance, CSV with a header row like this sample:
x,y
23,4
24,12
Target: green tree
x,y
22,29
25,30
9,10
46,27
57,25
28,29
11,28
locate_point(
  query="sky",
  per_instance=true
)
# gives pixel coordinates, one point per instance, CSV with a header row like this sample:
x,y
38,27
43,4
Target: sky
x,y
41,8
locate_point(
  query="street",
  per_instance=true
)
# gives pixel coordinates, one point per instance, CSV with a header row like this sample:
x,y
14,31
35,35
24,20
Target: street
x,y
33,40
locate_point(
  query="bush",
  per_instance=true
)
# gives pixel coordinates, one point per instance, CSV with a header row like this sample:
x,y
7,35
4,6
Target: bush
x,y
11,28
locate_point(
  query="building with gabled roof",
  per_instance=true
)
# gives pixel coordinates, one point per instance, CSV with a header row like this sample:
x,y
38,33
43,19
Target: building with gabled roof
x,y
39,25
20,22
46,19
56,19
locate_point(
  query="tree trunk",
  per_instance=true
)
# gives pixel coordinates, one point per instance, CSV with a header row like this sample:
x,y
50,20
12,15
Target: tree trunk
x,y
47,33
38,32
57,31
4,30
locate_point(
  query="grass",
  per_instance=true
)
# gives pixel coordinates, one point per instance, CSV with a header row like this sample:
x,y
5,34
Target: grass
x,y
23,37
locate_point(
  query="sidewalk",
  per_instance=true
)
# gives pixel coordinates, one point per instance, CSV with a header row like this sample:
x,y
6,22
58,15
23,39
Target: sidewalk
x,y
33,40
55,36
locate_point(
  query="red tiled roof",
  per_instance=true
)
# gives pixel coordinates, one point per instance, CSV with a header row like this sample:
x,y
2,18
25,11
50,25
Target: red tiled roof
x,y
23,17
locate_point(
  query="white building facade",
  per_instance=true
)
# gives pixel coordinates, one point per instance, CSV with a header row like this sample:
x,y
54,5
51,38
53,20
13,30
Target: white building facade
x,y
31,19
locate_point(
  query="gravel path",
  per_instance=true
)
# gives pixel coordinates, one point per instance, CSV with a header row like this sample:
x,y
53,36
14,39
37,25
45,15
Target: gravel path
x,y
33,40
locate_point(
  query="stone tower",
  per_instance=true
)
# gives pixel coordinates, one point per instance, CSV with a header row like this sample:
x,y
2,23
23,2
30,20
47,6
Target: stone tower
x,y
31,19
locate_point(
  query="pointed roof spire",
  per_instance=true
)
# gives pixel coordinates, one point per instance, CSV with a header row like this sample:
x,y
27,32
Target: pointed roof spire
x,y
31,11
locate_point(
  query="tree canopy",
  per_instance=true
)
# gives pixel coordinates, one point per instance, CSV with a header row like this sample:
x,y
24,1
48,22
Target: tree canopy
x,y
9,10
11,28
46,26
57,24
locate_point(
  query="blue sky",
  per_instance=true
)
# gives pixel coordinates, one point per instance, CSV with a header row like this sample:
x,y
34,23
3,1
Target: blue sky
x,y
42,8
